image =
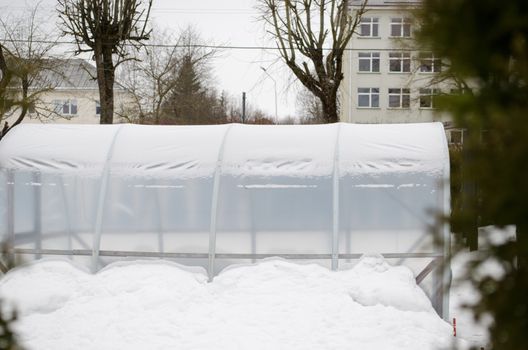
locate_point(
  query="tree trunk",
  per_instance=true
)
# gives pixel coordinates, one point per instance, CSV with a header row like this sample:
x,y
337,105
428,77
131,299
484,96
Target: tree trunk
x,y
5,77
330,113
104,64
522,245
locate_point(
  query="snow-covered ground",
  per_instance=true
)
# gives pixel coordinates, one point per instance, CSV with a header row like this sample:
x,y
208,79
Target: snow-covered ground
x,y
463,294
271,305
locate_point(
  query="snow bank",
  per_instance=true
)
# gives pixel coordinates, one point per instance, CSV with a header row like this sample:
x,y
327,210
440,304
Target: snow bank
x,y
271,305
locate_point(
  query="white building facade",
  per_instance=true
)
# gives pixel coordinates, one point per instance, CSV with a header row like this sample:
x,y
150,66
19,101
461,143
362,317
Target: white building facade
x,y
70,95
387,78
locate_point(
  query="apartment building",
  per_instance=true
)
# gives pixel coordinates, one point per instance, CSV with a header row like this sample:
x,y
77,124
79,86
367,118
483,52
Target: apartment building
x,y
388,78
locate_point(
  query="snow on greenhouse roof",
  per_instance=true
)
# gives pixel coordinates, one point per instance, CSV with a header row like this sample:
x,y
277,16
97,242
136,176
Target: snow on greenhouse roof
x,y
196,151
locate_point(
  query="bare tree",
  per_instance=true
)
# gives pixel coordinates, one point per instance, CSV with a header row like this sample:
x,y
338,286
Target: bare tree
x,y
153,77
441,75
312,36
23,66
148,79
106,27
310,108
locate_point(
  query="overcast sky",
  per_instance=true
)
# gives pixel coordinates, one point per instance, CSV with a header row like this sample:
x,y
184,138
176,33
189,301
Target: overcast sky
x,y
222,22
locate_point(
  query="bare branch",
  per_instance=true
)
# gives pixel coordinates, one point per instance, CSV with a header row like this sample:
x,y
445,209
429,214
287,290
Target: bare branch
x,y
106,27
152,80
23,64
292,25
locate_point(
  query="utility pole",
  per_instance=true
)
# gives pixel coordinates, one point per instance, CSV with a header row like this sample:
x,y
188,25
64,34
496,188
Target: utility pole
x,y
275,86
243,107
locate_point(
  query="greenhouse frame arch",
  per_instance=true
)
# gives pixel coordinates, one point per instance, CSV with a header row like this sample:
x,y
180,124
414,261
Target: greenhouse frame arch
x,y
214,196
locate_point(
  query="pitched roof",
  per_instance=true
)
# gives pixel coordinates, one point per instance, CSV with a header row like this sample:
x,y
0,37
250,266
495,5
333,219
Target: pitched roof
x,y
70,74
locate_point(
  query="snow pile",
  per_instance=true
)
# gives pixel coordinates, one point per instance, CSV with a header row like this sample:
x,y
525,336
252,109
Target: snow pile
x,y
271,305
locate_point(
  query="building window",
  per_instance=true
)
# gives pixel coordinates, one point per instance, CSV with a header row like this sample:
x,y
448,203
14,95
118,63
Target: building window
x,y
427,98
57,106
65,107
400,27
429,63
369,61
456,136
369,27
400,62
368,97
399,98
97,108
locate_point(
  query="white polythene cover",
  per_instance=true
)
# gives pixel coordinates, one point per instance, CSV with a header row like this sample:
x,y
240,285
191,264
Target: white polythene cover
x,y
188,151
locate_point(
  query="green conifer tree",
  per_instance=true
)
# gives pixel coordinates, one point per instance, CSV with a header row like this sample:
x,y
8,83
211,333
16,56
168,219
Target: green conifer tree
x,y
486,44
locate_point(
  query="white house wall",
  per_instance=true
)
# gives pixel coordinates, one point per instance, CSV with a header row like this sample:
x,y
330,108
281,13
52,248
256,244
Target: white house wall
x,y
86,107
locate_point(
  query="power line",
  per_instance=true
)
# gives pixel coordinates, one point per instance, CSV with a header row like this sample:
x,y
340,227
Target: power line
x,y
168,10
200,46
204,11
204,46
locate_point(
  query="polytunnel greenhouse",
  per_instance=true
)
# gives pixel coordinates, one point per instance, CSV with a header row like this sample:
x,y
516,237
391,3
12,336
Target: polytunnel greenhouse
x,y
214,196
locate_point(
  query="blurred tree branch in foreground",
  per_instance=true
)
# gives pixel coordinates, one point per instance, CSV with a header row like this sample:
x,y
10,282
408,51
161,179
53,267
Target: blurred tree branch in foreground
x,y
486,43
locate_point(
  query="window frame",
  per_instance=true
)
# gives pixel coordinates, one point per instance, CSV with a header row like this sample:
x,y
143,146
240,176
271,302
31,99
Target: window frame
x,y
402,26
403,95
371,93
67,108
57,106
428,94
372,23
460,132
401,59
428,59
371,57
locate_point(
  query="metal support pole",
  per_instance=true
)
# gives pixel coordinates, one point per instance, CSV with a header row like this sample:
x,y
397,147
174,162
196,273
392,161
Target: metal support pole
x,y
10,214
446,266
214,205
335,203
253,231
275,87
37,210
66,209
161,241
105,175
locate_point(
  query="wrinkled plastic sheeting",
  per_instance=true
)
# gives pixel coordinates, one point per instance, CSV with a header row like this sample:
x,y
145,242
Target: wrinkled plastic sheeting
x,y
279,189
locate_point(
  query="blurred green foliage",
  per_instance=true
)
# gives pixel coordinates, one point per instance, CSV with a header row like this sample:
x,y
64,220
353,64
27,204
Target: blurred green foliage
x,y
8,338
486,45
